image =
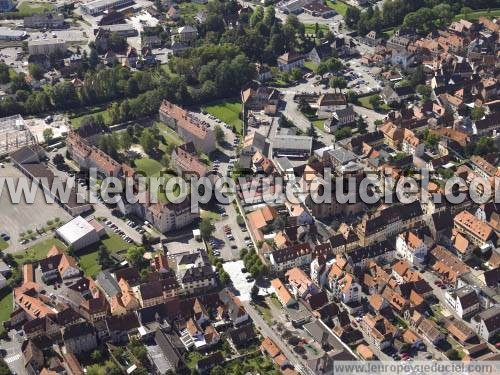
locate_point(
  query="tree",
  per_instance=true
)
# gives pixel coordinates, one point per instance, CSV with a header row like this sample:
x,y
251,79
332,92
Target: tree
x,y
206,228
126,140
424,91
477,113
96,355
135,256
343,133
375,101
219,134
485,146
58,159
352,16
4,73
48,134
148,141
338,83
36,71
295,74
254,293
304,106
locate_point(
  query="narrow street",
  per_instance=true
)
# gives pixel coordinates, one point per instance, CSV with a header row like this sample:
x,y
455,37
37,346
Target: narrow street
x,y
267,331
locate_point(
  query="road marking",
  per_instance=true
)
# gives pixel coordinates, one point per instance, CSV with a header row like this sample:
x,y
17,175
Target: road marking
x,y
12,358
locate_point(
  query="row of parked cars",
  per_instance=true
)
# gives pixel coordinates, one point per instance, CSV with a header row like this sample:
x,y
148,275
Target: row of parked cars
x,y
118,231
133,225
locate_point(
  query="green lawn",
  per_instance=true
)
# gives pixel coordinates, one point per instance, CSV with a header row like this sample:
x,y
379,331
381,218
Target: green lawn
x,y
89,263
28,8
338,6
3,244
5,306
190,9
365,102
114,243
312,66
205,214
89,259
77,121
38,251
169,134
149,166
474,16
319,124
228,112
310,28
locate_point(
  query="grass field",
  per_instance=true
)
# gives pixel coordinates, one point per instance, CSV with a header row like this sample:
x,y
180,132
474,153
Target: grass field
x,y
5,306
228,112
312,66
170,136
474,16
3,244
190,9
77,121
319,124
310,28
38,251
28,8
149,166
89,260
365,102
338,6
205,214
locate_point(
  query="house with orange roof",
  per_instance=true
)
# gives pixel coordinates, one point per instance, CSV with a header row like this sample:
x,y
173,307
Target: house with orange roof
x,y
186,162
269,348
260,219
378,330
282,293
413,247
365,352
462,246
479,233
299,213
300,284
188,127
447,264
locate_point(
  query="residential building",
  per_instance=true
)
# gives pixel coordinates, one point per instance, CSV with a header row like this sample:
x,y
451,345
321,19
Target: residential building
x,y
290,60
300,284
413,247
282,293
188,127
463,301
378,330
44,21
186,162
79,338
479,233
46,46
291,146
487,323
396,95
293,256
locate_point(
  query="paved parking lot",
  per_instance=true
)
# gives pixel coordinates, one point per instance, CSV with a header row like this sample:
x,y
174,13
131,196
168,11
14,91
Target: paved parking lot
x,y
17,218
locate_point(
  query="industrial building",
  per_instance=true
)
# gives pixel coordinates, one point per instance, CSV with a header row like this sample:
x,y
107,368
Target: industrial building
x,y
80,233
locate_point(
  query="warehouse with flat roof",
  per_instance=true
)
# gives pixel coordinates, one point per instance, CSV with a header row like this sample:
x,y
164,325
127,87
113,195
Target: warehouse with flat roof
x,y
96,7
80,233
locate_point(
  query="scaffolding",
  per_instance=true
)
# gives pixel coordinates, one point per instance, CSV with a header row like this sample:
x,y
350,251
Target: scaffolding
x,y
14,134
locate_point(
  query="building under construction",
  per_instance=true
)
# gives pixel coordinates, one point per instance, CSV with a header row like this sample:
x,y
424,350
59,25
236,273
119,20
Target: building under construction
x,y
14,134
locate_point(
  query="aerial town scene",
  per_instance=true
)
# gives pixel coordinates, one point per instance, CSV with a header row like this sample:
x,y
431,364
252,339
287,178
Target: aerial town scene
x,y
253,187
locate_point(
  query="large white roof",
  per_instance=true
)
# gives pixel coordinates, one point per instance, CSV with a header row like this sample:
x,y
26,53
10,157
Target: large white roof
x,y
75,229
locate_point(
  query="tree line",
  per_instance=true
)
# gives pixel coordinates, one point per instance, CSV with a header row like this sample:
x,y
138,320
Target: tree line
x,y
424,15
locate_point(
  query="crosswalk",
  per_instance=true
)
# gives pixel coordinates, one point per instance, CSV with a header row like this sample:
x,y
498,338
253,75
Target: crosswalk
x,y
12,358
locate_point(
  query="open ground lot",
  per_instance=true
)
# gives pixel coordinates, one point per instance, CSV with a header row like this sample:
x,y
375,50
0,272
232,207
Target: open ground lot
x,y
18,218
